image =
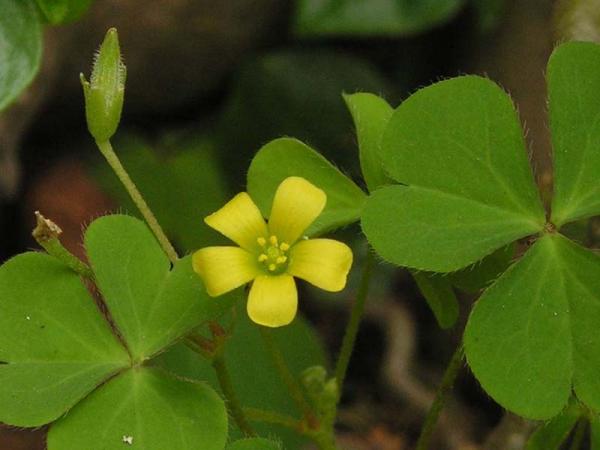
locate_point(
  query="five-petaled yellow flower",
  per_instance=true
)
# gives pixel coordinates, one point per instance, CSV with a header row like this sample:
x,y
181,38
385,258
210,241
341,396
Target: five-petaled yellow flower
x,y
270,255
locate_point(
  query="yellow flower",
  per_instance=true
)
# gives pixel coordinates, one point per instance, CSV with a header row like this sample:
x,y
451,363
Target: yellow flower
x,y
272,255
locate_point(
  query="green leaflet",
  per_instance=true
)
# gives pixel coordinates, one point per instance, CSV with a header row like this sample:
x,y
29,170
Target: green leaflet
x,y
376,17
247,359
466,188
20,48
286,157
552,434
440,297
149,408
63,11
574,98
532,337
371,115
56,344
254,444
151,304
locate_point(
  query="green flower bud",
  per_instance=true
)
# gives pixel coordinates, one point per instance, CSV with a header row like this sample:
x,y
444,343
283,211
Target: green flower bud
x,y
104,92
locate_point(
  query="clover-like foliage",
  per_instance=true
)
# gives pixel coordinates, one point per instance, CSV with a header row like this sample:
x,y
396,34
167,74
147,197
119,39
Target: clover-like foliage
x,y
60,354
465,189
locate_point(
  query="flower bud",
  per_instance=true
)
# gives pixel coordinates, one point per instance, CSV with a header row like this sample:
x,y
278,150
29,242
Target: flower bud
x,y
104,92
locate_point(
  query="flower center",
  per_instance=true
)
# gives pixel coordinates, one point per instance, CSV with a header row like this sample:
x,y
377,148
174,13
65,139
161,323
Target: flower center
x,y
273,256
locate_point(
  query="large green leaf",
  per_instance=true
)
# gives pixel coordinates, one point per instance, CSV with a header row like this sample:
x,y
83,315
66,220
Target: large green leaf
x,y
254,444
63,11
151,304
20,47
287,157
146,409
254,377
532,337
375,17
466,188
574,95
181,187
371,115
552,434
55,346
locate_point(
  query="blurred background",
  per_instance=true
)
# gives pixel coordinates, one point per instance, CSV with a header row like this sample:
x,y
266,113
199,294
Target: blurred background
x,y
209,83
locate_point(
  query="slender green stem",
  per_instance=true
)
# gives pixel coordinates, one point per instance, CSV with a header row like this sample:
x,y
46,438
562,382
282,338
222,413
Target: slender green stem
x,y
47,233
286,375
578,435
115,163
353,325
233,402
452,371
261,415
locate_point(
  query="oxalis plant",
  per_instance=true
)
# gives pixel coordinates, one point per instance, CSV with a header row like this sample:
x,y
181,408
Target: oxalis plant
x,y
102,351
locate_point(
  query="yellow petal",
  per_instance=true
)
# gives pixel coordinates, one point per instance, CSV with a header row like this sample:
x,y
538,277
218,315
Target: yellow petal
x,y
223,269
322,262
273,300
296,205
240,220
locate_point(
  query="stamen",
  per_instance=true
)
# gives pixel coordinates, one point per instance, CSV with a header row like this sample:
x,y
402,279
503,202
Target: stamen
x,y
272,267
284,246
261,241
273,240
281,259
262,257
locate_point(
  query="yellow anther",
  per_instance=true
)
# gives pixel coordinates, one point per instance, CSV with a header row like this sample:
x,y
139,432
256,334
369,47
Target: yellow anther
x,y
273,240
261,241
262,257
272,267
284,246
281,259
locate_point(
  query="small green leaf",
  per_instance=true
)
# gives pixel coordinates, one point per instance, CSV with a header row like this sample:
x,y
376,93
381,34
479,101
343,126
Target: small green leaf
x,y
254,444
145,409
467,189
151,304
371,115
287,157
574,98
63,11
247,359
483,273
20,48
532,337
440,297
552,434
55,346
373,18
